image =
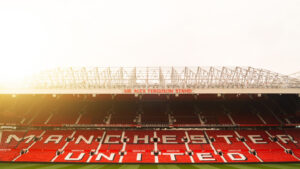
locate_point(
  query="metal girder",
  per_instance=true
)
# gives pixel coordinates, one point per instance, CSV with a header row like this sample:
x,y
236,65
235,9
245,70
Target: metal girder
x,y
161,78
295,75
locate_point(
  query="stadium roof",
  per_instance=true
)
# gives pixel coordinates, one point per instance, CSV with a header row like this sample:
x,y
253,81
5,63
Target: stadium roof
x,y
155,80
295,75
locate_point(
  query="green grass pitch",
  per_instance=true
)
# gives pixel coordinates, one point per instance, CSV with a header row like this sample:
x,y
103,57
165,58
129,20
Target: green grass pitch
x,y
148,166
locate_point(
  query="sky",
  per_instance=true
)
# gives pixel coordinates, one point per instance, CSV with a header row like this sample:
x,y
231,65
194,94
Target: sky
x,y
44,34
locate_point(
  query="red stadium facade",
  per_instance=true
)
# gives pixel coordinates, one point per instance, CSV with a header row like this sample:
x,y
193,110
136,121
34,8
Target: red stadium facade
x,y
152,115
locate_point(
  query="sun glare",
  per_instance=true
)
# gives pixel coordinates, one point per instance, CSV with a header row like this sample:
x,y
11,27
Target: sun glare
x,y
14,73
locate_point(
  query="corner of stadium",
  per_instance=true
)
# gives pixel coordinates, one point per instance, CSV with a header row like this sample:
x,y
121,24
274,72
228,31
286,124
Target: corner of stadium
x,y
206,117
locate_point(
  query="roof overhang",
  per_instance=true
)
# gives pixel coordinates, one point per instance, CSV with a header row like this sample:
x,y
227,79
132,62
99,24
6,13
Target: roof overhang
x,y
155,91
156,80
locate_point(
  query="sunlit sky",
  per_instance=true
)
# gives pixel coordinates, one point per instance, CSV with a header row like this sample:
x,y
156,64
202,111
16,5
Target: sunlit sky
x,y
43,34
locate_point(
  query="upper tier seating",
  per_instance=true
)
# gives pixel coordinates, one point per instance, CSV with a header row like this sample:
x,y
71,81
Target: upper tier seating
x,y
184,113
161,110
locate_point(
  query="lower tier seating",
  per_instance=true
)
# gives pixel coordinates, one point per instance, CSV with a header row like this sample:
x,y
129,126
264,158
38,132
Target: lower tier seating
x,y
150,146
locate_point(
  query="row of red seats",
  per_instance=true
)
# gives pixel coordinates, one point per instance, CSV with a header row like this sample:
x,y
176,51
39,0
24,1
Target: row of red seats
x,y
86,109
150,146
